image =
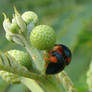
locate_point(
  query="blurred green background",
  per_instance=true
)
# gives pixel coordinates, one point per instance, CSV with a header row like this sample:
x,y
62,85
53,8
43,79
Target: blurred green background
x,y
72,21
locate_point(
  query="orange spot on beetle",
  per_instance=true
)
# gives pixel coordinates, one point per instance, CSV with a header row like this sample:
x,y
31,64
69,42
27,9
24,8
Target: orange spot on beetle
x,y
53,59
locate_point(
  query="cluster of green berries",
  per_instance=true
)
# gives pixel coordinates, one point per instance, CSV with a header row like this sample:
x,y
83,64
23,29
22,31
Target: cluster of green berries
x,y
21,57
89,77
42,37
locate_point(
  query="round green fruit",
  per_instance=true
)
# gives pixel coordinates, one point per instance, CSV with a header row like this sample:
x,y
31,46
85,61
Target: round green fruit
x,y
14,28
21,57
43,37
30,16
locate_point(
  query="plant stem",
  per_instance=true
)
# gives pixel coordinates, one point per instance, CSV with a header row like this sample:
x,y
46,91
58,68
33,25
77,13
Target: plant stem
x,y
38,62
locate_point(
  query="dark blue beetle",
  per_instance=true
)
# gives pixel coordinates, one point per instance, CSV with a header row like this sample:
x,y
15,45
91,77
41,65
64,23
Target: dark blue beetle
x,y
59,57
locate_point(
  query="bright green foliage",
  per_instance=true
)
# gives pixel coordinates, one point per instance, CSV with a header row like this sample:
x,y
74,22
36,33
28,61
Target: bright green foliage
x,y
43,37
14,28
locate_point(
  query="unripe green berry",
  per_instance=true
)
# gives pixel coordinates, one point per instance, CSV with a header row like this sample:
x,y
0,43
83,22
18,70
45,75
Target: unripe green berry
x,y
10,77
22,57
43,37
89,78
14,28
30,16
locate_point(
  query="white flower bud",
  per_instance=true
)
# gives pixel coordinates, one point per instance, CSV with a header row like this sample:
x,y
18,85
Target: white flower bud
x,y
20,21
6,24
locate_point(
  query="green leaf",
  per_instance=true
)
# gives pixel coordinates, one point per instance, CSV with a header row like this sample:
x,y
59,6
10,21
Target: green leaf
x,y
82,55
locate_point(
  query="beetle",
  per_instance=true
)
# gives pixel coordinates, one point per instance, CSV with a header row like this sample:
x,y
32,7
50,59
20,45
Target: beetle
x,y
58,57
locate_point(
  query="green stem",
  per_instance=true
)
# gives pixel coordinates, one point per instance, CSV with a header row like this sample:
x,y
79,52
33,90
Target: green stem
x,y
38,62
21,73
